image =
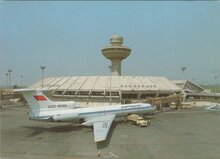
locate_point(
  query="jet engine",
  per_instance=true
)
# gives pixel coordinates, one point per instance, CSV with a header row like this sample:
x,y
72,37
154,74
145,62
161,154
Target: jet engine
x,y
65,117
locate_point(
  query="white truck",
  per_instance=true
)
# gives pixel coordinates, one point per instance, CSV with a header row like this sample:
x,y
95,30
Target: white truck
x,y
138,120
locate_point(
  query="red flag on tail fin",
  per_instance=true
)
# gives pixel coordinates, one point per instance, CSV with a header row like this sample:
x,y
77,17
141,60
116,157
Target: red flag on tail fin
x,y
40,98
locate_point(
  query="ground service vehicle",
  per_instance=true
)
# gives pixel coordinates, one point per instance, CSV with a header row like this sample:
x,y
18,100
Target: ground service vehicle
x,y
185,106
173,105
138,120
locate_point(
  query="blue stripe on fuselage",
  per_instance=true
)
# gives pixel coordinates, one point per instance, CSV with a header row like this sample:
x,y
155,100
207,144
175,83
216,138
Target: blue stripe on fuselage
x,y
116,111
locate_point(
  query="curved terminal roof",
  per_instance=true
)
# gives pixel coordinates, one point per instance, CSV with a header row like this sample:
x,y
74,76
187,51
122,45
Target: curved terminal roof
x,y
188,86
102,83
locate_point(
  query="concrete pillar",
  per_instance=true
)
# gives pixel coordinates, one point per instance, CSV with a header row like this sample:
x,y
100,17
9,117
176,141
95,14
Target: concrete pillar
x,y
116,67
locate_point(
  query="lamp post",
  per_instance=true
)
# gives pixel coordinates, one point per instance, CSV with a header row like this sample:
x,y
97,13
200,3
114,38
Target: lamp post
x,y
21,80
7,80
9,77
183,69
42,68
110,82
215,83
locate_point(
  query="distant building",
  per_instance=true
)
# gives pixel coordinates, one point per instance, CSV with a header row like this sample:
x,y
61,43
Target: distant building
x,y
191,90
188,86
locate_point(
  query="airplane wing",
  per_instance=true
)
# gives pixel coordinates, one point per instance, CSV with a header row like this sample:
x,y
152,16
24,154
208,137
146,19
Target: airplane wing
x,y
101,125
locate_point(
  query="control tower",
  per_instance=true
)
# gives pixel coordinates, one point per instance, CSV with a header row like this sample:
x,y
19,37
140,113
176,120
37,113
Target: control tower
x,y
116,53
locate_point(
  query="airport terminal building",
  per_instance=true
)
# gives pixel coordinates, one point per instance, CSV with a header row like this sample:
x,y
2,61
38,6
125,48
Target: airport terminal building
x,y
122,89
115,88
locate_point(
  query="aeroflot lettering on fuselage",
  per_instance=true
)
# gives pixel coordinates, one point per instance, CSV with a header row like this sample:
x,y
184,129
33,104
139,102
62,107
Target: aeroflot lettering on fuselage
x,y
57,106
130,106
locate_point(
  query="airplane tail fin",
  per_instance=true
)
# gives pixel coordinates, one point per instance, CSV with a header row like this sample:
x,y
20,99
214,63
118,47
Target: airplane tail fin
x,y
36,100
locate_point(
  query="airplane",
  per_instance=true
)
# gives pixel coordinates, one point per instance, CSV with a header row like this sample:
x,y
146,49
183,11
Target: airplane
x,y
101,118
212,108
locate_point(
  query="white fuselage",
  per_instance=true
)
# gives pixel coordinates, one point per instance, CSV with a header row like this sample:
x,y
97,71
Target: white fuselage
x,y
72,114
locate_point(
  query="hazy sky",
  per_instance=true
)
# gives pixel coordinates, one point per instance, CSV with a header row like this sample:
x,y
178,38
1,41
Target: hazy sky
x,y
67,38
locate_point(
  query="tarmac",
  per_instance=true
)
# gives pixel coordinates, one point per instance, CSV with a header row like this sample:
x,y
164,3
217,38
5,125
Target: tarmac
x,y
179,134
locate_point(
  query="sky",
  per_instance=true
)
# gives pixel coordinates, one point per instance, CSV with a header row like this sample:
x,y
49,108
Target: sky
x,y
67,38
